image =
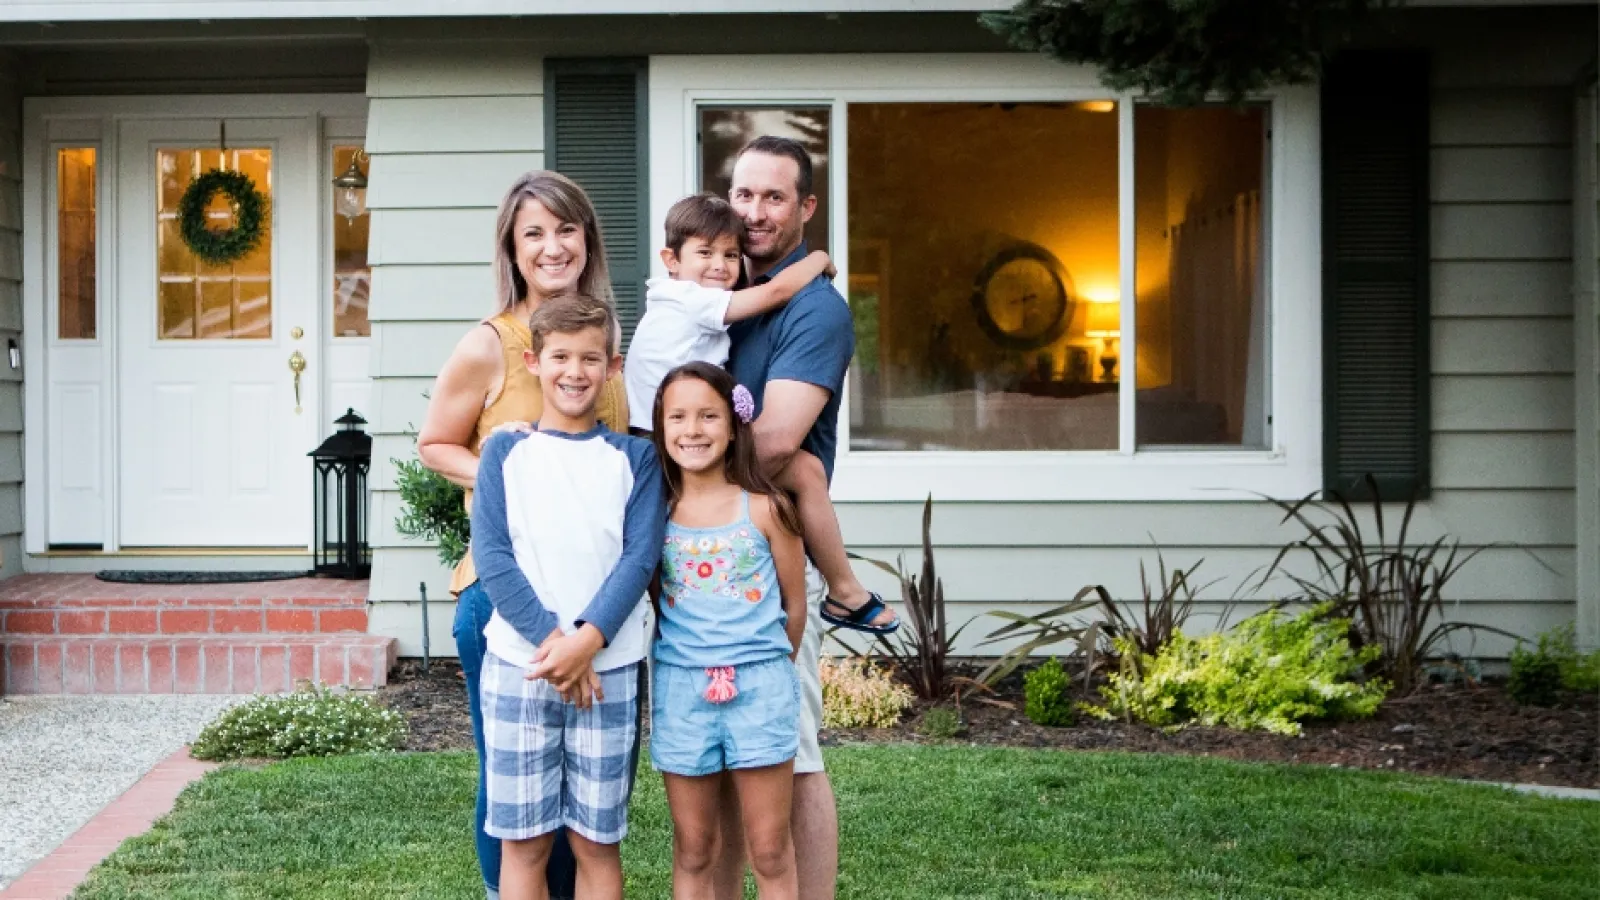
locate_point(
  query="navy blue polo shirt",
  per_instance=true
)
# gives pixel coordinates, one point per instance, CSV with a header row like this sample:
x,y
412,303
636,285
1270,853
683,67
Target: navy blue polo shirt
x,y
810,339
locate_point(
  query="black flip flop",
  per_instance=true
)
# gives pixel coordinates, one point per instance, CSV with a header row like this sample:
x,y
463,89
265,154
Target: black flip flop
x,y
861,619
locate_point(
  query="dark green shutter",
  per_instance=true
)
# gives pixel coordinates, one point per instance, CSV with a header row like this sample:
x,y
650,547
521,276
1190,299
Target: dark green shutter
x,y
596,135
1375,273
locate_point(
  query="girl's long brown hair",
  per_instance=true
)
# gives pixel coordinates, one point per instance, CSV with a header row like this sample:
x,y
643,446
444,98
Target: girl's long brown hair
x,y
739,465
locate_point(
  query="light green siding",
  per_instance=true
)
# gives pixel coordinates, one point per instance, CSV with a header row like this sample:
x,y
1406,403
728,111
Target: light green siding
x,y
450,125
10,317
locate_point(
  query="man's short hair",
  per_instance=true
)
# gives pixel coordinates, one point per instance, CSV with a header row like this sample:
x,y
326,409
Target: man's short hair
x,y
703,216
773,145
570,313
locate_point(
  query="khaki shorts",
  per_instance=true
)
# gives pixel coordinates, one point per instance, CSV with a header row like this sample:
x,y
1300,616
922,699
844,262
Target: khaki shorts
x,y
809,757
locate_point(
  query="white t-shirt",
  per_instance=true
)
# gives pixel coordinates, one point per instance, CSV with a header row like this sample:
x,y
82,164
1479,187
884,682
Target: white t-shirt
x,y
683,322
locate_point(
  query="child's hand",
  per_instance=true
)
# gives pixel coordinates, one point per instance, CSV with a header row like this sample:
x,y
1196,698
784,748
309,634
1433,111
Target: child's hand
x,y
588,692
564,659
512,425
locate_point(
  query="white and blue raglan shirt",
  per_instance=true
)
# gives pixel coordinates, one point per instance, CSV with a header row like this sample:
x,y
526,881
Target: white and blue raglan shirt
x,y
566,530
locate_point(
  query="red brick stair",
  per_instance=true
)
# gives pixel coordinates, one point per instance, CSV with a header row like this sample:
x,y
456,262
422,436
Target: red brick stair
x,y
75,634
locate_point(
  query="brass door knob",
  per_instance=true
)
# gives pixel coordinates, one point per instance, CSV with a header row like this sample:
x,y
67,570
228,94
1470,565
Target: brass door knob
x,y
297,364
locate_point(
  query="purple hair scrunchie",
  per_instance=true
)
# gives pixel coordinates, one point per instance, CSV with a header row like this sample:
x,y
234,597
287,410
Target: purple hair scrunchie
x,y
744,405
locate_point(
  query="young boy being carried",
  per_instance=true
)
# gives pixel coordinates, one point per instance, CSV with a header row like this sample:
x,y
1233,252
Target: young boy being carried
x,y
567,528
686,319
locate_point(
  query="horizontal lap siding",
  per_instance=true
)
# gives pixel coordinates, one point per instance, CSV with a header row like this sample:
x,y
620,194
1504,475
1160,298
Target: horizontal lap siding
x,y
10,320
1501,281
451,125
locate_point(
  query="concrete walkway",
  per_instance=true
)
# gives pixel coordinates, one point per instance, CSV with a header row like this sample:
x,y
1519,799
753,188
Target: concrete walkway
x,y
64,759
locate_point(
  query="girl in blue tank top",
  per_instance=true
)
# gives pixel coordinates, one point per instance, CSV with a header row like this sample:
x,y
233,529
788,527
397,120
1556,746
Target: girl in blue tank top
x,y
724,695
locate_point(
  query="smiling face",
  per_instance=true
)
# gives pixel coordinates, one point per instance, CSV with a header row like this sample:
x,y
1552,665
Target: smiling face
x,y
550,253
696,425
712,264
766,194
572,368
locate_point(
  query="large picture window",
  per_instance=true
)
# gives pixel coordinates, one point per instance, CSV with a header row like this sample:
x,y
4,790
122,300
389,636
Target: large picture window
x,y
1047,282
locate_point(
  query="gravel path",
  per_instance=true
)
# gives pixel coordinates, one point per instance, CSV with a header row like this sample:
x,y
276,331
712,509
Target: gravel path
x,y
62,759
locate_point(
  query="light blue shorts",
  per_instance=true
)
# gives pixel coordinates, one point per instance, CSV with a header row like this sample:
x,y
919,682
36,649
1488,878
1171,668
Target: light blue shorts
x,y
760,726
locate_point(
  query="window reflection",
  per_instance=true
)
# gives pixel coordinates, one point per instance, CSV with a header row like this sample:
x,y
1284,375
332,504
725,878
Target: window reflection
x,y
352,277
75,243
724,130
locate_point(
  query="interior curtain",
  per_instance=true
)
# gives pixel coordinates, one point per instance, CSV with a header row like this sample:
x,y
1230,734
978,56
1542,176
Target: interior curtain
x,y
1216,281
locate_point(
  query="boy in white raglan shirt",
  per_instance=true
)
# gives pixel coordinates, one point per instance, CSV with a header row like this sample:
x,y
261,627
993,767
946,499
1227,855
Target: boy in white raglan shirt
x,y
567,527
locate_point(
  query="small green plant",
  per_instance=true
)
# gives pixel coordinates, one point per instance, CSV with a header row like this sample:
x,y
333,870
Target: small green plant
x,y
1045,695
433,509
1579,671
941,723
1270,673
310,722
1535,676
857,694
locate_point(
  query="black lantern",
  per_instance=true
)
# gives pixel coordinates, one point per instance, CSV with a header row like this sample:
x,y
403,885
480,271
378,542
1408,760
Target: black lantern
x,y
339,494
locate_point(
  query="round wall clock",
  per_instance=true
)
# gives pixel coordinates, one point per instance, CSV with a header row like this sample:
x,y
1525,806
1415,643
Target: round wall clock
x,y
1023,298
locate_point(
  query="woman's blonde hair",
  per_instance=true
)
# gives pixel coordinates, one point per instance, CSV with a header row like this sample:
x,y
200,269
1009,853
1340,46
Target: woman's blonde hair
x,y
566,201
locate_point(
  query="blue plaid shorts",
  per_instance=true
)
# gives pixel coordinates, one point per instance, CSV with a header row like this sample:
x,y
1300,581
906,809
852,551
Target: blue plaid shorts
x,y
552,765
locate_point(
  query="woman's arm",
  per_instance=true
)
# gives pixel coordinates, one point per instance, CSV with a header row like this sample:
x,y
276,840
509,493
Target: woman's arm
x,y
789,556
473,371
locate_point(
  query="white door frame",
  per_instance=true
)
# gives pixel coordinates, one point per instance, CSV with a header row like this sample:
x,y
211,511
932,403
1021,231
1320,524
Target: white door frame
x,y
55,121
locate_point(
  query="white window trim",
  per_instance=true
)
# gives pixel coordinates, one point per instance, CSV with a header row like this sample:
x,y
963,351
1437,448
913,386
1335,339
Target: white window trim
x,y
1291,468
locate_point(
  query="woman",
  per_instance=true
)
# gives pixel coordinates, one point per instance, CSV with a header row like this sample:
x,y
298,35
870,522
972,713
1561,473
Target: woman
x,y
547,240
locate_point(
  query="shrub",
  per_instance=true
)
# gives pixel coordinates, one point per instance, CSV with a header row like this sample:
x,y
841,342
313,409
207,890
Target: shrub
x,y
433,509
1270,673
1045,695
308,722
1393,592
1579,671
1535,677
856,694
941,723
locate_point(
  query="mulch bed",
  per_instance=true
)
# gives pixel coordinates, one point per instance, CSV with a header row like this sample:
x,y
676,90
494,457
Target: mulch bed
x,y
1452,730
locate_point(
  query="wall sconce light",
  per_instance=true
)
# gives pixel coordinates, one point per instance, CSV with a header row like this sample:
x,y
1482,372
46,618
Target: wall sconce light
x,y
1103,322
350,188
14,353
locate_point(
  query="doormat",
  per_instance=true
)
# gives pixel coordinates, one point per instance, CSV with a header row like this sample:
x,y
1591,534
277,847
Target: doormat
x,y
131,576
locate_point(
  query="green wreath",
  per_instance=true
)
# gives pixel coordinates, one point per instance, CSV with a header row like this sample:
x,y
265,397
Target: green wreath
x,y
220,247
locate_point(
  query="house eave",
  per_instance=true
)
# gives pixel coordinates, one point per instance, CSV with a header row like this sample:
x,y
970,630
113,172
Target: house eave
x,y
199,10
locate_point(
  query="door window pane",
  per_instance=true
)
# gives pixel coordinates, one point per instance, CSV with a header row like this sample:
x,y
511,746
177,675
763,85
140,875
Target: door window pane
x,y
75,243
980,235
200,301
724,130
1202,305
352,277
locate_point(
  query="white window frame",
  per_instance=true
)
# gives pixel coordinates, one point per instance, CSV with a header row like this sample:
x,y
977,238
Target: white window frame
x,y
1290,468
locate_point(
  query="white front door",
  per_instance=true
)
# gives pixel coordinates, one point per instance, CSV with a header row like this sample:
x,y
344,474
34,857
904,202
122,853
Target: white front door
x,y
212,431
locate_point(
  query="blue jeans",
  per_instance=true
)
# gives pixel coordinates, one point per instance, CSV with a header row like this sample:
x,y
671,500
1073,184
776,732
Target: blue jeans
x,y
472,614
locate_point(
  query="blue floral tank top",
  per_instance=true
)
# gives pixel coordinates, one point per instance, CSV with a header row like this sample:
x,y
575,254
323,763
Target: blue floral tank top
x,y
720,604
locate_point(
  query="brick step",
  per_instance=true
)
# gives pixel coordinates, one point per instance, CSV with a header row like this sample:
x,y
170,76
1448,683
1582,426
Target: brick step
x,y
246,616
84,605
214,664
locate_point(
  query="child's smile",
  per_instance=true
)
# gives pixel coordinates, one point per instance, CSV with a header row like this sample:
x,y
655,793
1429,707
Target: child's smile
x,y
695,424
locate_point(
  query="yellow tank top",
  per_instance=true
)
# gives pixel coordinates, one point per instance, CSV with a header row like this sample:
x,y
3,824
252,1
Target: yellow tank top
x,y
520,400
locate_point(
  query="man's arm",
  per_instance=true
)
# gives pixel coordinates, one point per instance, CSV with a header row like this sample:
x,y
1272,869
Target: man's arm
x,y
509,590
788,410
807,369
753,301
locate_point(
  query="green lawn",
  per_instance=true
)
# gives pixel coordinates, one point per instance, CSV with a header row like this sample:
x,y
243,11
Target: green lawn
x,y
917,822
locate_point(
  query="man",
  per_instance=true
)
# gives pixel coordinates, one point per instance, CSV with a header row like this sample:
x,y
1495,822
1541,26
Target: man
x,y
793,360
